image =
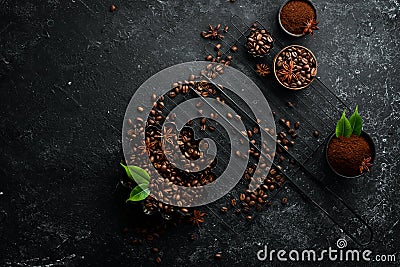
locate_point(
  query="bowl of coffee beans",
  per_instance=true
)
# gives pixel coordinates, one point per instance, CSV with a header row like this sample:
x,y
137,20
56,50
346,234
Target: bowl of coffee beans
x,y
259,42
295,67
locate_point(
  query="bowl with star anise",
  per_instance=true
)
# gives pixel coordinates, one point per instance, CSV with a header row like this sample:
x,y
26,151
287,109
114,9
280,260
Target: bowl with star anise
x,y
350,151
298,18
295,67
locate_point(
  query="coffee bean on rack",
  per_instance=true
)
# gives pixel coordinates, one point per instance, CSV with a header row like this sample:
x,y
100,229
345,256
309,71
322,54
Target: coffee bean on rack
x,y
224,209
234,48
226,28
297,125
284,200
316,134
157,260
217,47
218,256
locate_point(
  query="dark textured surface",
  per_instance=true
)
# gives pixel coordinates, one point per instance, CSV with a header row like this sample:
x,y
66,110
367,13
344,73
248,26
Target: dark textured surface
x,y
67,72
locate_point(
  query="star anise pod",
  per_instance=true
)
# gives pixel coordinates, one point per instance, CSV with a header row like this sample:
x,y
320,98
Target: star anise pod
x,y
146,146
262,69
197,217
287,72
310,26
365,165
167,135
212,33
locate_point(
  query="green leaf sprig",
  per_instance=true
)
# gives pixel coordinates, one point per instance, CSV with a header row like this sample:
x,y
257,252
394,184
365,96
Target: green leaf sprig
x,y
346,127
142,178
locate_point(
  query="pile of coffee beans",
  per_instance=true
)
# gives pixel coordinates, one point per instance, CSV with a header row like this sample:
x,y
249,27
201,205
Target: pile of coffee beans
x,y
295,67
259,42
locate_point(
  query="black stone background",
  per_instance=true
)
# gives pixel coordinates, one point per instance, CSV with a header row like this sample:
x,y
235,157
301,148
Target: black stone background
x,y
69,68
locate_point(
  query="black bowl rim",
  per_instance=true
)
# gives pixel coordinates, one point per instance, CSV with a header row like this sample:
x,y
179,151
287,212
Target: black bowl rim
x,y
280,22
369,140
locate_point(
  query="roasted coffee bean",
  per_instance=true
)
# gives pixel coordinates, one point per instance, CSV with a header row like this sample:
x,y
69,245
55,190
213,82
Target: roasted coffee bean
x,y
218,47
113,8
226,29
271,187
297,125
316,134
234,48
218,256
157,260
242,197
249,217
284,200
155,250
224,209
208,57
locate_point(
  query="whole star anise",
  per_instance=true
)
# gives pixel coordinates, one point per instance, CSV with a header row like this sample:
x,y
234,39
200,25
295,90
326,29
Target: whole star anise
x,y
287,72
365,165
167,135
310,26
262,70
145,147
197,217
212,33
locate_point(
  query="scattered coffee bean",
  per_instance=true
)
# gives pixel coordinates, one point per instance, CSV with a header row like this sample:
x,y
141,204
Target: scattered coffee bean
x,y
224,209
157,260
218,256
113,8
249,217
155,250
316,134
234,48
284,200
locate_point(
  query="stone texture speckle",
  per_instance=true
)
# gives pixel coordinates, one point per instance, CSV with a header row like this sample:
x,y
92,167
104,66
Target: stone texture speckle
x,y
67,72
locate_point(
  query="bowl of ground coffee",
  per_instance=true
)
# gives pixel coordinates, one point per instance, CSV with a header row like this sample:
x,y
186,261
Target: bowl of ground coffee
x,y
350,157
298,17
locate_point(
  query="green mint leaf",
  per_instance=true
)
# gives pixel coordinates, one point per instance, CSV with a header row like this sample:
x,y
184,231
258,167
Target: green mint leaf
x,y
137,174
127,171
138,193
343,126
356,122
140,176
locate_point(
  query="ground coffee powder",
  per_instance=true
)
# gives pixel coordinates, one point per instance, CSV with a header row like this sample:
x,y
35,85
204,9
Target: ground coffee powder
x,y
346,154
295,14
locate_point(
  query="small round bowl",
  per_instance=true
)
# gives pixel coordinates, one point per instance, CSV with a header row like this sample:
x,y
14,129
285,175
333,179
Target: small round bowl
x,y
274,67
373,151
280,22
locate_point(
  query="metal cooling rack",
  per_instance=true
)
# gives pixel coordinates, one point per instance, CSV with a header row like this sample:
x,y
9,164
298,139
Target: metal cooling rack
x,y
317,108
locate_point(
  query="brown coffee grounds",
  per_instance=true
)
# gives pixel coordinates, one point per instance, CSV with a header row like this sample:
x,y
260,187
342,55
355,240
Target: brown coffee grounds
x,y
295,14
346,154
